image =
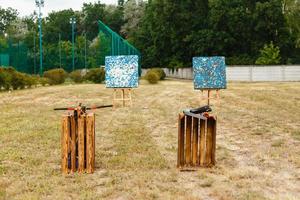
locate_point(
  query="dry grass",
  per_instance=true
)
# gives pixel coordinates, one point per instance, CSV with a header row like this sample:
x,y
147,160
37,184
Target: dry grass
x,y
258,152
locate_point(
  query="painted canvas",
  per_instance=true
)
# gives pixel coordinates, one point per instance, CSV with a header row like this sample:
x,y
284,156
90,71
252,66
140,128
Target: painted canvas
x,y
121,71
209,72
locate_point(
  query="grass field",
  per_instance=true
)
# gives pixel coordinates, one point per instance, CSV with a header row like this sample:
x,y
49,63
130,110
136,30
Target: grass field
x,y
258,144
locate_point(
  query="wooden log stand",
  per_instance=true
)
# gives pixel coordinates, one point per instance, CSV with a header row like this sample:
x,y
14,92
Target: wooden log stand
x,y
196,141
122,95
78,142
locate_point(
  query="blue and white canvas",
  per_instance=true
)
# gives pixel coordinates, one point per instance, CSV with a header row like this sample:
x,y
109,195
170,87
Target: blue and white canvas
x,y
122,71
209,72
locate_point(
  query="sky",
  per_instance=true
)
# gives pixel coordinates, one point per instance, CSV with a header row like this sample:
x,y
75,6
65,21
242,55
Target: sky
x,y
26,7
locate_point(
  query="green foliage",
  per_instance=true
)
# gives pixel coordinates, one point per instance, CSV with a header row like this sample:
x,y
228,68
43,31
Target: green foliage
x,y
30,80
18,80
5,78
12,79
56,76
232,28
43,81
96,75
152,76
269,55
240,60
76,76
175,64
168,33
7,16
161,73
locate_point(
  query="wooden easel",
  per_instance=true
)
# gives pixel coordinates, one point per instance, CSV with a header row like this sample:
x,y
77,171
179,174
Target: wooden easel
x,y
124,97
209,96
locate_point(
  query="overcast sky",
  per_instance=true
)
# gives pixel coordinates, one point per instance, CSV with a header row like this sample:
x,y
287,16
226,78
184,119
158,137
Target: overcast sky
x,y
26,7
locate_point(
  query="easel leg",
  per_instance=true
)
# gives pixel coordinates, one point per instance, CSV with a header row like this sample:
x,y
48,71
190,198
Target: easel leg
x,y
218,97
208,97
201,97
129,96
123,97
114,99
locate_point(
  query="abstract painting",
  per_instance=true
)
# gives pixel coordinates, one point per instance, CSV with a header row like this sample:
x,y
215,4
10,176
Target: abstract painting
x,y
121,71
209,72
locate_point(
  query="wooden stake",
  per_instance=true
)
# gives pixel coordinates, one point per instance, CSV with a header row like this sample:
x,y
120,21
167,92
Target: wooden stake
x,y
214,132
65,143
90,143
81,136
180,154
188,157
202,142
209,138
195,141
73,144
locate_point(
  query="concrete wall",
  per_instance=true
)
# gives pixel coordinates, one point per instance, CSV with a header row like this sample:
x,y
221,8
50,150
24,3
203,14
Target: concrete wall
x,y
246,73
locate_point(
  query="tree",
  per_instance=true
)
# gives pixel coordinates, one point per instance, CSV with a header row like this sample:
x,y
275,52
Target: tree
x,y
3,44
7,17
121,2
269,55
133,13
91,13
59,23
114,17
291,10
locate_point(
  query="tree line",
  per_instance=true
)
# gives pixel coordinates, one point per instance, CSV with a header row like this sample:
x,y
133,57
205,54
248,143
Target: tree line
x,y
167,32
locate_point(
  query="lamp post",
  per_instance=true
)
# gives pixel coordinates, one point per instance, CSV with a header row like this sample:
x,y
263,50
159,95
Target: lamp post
x,y
85,51
73,22
59,48
40,4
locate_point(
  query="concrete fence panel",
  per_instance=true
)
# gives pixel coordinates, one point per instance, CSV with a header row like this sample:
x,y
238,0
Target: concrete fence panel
x,y
245,73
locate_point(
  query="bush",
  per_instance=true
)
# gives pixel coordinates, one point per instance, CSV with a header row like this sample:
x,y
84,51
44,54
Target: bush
x,y
96,75
240,60
175,64
160,72
5,79
18,80
269,55
30,80
56,76
152,77
76,76
43,81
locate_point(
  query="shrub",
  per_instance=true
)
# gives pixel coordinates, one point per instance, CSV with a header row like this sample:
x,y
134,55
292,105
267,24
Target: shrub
x,y
30,80
240,60
96,75
76,76
4,79
160,72
43,81
175,64
56,76
152,77
18,80
269,55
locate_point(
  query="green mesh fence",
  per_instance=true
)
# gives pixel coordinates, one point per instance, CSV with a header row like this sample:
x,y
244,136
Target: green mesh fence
x,y
16,55
4,60
112,44
24,56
